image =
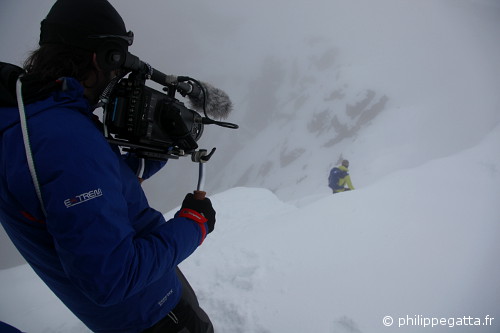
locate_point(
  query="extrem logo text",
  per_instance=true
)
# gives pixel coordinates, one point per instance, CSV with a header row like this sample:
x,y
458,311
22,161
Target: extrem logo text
x,y
82,198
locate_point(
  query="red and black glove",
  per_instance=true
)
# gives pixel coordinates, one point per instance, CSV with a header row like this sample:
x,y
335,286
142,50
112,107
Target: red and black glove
x,y
200,211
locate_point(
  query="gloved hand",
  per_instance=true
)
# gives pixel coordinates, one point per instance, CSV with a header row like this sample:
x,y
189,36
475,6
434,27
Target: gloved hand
x,y
204,207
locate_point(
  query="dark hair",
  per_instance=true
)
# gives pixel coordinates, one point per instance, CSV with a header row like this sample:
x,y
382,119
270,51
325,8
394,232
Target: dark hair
x,y
52,61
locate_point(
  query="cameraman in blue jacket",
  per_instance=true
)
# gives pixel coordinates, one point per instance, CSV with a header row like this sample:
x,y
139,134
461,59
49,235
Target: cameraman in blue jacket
x,y
72,204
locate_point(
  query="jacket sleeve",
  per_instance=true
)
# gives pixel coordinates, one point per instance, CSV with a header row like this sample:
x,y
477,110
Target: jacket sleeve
x,y
111,244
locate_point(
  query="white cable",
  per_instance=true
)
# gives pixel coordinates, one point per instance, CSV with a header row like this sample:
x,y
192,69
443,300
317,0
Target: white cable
x,y
141,169
27,145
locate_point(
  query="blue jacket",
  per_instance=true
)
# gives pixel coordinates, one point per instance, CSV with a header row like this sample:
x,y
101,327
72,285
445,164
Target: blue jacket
x,y
101,249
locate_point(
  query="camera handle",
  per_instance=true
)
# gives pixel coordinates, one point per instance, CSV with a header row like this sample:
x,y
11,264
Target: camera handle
x,y
201,157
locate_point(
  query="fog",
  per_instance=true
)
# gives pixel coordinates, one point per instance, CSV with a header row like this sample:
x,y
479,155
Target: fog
x,y
307,79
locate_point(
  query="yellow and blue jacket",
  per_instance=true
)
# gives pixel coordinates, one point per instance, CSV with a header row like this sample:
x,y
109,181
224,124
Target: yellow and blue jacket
x,y
339,178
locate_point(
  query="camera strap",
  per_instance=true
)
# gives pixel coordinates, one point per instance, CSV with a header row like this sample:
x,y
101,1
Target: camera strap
x,y
27,144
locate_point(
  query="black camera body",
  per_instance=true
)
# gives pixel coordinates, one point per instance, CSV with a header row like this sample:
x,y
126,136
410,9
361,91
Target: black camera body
x,y
155,125
150,123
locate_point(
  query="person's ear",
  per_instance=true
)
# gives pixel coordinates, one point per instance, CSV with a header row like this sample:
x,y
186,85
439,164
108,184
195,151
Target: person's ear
x,y
95,62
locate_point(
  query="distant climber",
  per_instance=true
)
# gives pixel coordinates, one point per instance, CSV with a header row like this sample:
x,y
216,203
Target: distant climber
x,y
339,178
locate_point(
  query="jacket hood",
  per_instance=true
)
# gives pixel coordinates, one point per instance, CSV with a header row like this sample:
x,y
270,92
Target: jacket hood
x,y
8,77
65,92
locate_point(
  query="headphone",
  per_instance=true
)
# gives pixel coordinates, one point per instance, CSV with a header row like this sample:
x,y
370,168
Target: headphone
x,y
110,55
112,50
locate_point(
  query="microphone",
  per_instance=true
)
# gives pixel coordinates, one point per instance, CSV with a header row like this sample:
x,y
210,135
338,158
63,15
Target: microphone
x,y
203,96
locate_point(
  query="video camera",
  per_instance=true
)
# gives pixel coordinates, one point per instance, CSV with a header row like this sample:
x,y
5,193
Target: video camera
x,y
153,124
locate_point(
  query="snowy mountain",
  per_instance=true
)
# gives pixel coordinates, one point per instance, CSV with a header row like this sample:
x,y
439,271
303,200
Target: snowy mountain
x,y
387,86
335,264
406,90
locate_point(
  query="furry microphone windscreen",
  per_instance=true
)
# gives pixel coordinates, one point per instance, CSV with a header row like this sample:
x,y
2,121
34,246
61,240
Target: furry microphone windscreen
x,y
218,104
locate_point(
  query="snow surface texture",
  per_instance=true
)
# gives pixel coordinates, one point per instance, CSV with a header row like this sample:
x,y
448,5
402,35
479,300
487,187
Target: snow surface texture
x,y
418,242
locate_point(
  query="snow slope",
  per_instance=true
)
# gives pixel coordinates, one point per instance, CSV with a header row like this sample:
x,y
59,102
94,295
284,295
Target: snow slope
x,y
419,242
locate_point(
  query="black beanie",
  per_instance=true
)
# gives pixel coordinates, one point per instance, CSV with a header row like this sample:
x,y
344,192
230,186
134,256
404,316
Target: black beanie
x,y
71,22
